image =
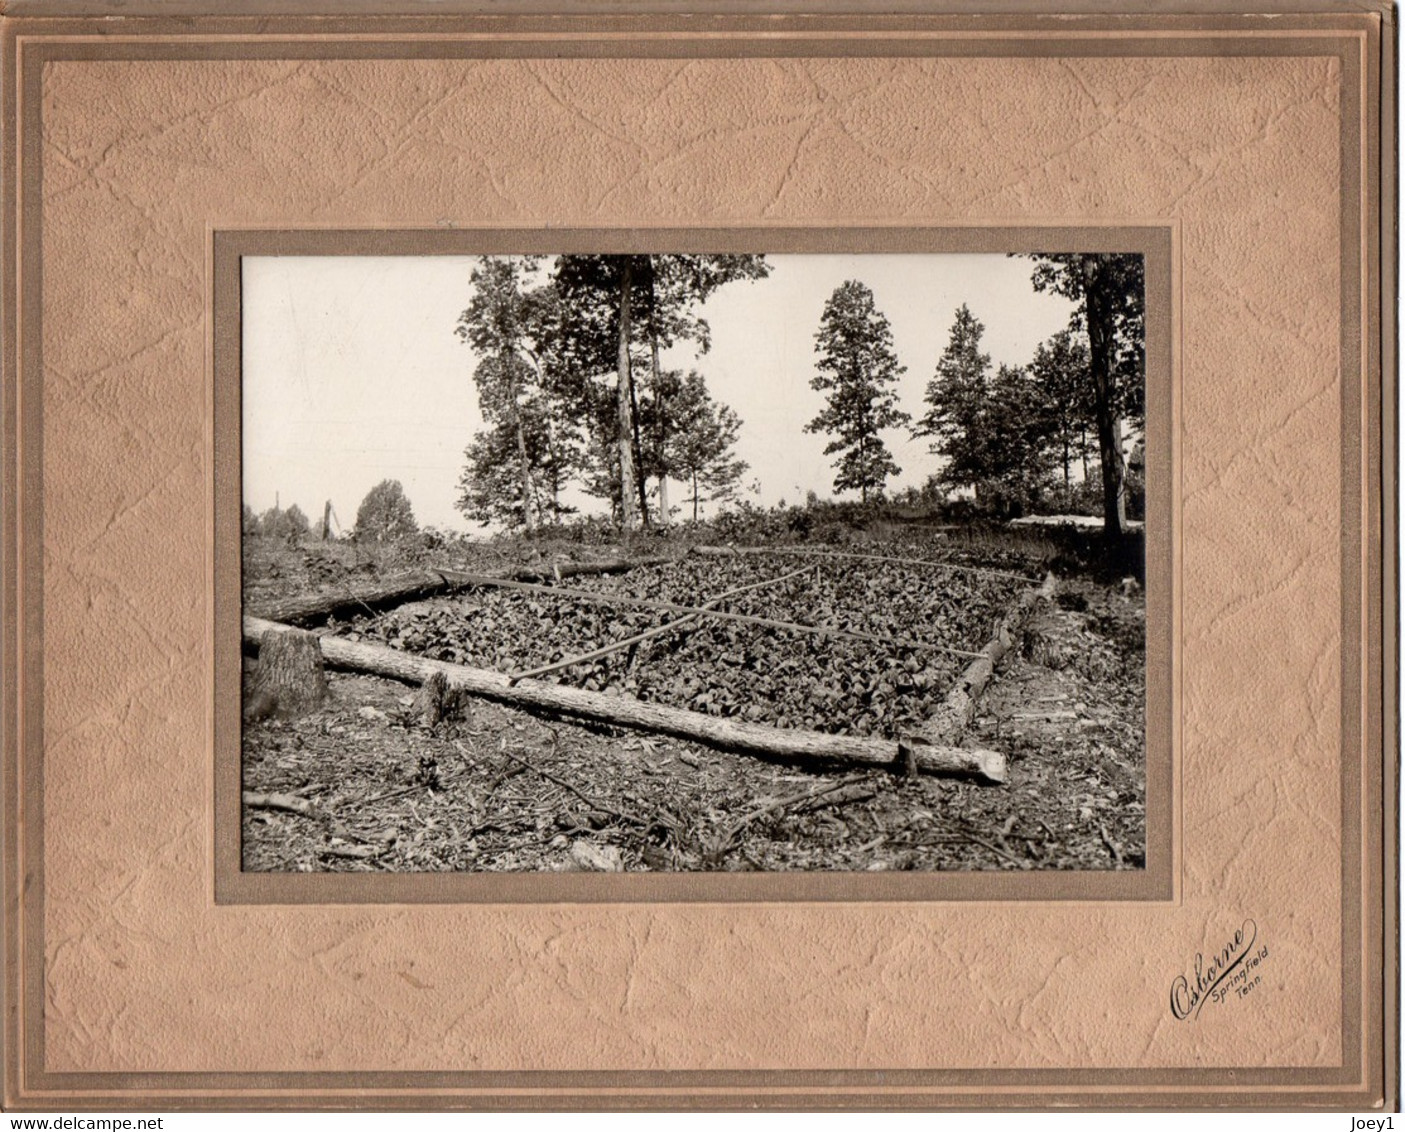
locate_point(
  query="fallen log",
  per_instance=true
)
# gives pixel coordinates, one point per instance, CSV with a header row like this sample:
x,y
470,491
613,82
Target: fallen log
x,y
948,723
315,608
559,570
625,711
368,599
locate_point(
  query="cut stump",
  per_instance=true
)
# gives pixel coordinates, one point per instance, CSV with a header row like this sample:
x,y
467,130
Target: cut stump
x,y
290,679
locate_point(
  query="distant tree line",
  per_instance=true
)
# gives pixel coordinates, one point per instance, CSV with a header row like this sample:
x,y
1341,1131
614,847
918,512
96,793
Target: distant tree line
x,y
573,394
1011,435
384,516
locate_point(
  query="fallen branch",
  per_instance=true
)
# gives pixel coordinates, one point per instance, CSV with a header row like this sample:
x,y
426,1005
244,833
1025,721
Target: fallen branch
x,y
351,852
809,552
561,782
949,722
626,711
587,596
800,800
1112,846
647,634
285,802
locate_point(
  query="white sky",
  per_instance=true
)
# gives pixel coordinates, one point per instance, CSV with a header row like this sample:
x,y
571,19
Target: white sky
x,y
353,373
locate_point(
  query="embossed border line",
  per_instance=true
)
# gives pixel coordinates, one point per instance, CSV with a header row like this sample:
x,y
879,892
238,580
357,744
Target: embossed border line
x,y
1157,882
1369,710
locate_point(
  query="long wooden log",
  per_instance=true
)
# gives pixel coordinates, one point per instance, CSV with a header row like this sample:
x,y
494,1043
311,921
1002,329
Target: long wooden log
x,y
470,580
813,552
945,727
371,598
411,586
626,711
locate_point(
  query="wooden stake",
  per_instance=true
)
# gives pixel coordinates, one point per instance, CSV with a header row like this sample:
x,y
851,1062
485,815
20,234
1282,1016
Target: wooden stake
x,y
949,722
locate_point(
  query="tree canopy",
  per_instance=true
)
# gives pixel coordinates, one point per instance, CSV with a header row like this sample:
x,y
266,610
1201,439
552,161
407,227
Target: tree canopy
x,y
1109,290
385,514
558,373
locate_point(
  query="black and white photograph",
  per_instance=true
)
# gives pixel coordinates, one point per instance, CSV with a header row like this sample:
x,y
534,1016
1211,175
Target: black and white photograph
x,y
623,563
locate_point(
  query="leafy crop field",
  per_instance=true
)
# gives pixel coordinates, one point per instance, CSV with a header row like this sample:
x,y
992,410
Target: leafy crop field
x,y
784,677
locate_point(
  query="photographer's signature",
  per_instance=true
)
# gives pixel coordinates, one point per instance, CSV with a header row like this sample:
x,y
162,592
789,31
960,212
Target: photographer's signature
x,y
1232,971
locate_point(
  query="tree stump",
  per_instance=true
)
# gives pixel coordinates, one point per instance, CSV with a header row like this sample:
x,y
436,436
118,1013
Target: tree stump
x,y
434,693
290,679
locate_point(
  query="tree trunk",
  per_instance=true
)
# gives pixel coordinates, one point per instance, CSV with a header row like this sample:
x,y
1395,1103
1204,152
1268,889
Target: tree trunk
x,y
660,406
1100,348
289,679
812,746
695,496
525,469
641,484
623,401
327,521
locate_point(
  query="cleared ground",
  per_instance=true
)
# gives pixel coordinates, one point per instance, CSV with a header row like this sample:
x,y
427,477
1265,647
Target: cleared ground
x,y
500,789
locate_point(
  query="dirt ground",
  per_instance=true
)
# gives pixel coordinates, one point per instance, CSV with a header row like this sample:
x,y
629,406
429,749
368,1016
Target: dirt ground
x,y
498,789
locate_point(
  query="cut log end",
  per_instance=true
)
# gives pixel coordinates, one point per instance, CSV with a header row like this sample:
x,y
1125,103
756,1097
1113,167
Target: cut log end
x,y
981,765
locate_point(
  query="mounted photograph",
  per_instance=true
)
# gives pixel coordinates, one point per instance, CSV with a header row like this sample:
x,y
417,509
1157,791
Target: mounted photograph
x,y
616,563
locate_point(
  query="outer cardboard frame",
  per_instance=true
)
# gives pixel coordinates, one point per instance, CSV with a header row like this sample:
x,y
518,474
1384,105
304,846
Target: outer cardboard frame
x,y
72,933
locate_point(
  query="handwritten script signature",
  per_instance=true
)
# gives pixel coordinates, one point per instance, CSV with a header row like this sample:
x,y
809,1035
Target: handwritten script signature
x,y
1211,980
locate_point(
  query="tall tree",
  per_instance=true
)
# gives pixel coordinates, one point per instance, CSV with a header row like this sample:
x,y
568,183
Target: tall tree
x,y
1109,289
700,450
1019,459
675,286
601,289
958,406
385,514
648,302
497,326
856,368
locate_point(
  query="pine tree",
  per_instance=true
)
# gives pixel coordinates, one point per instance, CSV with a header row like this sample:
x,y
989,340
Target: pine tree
x,y
495,325
856,367
958,402
701,449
